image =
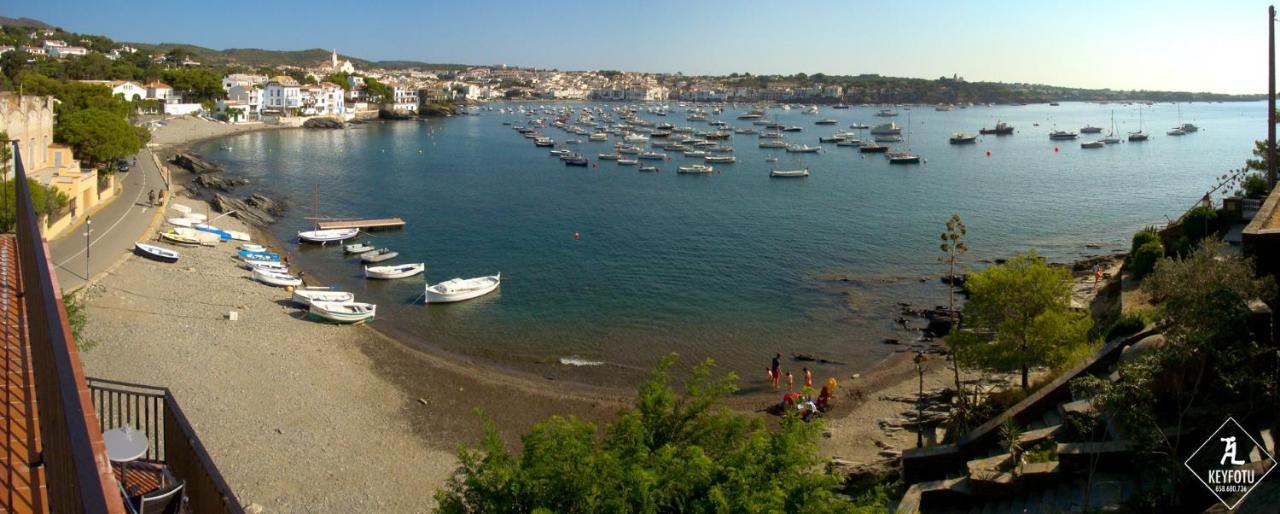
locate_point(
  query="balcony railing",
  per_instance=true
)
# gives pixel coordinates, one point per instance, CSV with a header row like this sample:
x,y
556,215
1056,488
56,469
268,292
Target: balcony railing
x,y
173,443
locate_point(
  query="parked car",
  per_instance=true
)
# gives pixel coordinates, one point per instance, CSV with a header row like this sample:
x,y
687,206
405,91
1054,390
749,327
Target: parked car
x,y
123,165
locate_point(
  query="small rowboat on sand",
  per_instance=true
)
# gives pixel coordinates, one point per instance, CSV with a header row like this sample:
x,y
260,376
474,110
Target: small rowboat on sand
x,y
308,295
275,266
181,239
155,253
278,279
343,312
394,271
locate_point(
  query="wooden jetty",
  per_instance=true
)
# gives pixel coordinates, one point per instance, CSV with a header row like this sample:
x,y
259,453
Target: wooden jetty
x,y
366,224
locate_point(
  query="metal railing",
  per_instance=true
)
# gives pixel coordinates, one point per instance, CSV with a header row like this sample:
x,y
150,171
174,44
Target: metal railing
x,y
155,412
78,479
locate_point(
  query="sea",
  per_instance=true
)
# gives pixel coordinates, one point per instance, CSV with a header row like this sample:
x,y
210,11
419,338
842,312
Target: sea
x,y
606,269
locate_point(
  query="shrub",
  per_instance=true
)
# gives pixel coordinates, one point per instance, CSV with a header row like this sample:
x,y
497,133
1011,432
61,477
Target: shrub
x,y
1143,260
1127,325
1199,223
1142,237
1254,185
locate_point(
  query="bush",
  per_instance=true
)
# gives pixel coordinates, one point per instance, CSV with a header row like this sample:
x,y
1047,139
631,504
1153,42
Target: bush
x,y
1143,260
1255,185
1142,237
1199,222
1127,325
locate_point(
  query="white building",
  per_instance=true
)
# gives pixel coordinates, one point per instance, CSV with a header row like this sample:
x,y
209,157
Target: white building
x,y
157,90
324,99
343,66
248,97
404,97
59,52
242,79
127,89
282,94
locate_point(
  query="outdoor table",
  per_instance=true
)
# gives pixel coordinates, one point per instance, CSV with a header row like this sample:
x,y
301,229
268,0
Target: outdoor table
x,y
125,445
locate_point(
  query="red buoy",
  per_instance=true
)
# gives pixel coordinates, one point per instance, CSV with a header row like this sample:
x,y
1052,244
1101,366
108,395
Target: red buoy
x,y
988,153
577,236
1055,149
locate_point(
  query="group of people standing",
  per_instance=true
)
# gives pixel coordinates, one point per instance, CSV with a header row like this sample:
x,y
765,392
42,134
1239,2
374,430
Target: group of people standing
x,y
802,400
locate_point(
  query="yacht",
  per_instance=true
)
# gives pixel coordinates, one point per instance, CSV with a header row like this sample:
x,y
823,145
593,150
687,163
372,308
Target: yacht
x,y
1001,129
802,149
1139,135
1111,138
886,129
1097,143
962,138
1059,135
1090,129
903,157
887,113
695,168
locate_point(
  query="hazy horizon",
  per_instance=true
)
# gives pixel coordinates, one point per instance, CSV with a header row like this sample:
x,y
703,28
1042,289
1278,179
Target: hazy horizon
x,y
1141,45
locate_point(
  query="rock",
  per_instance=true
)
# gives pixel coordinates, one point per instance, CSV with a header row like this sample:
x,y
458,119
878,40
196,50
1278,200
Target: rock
x,y
891,341
266,204
1139,348
854,473
954,280
253,508
323,123
244,211
388,114
193,163
422,401
218,182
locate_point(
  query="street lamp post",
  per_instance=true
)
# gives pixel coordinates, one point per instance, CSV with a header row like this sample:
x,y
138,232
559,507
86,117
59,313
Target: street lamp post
x,y
920,360
88,228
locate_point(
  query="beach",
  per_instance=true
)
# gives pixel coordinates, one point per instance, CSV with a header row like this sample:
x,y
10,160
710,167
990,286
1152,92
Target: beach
x,y
283,404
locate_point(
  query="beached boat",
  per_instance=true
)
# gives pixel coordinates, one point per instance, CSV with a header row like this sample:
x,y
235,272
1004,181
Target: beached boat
x,y
204,238
379,255
327,236
459,289
183,222
258,256
275,278
222,234
253,247
789,173
155,253
343,312
306,295
1001,129
695,168
394,271
275,266
962,138
358,248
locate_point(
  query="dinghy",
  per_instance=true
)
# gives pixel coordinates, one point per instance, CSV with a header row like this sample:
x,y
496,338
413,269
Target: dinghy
x,y
180,208
327,236
305,296
274,278
253,247
379,255
205,238
395,271
182,222
343,312
155,253
459,289
200,218
275,266
358,248
222,234
789,173
258,256
181,239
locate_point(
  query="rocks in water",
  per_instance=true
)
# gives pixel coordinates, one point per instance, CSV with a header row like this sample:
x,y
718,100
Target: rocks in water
x,y
323,123
219,182
243,210
266,204
388,114
954,280
194,163
806,357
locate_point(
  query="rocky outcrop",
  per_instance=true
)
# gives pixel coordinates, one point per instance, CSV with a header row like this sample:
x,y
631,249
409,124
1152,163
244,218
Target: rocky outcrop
x,y
323,123
435,110
266,204
219,182
388,114
243,209
195,164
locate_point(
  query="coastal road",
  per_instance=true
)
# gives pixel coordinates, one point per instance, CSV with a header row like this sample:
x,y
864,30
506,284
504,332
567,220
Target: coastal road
x,y
114,229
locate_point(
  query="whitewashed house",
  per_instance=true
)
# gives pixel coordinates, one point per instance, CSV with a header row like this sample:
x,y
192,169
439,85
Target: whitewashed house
x,y
242,79
157,90
404,97
282,95
247,97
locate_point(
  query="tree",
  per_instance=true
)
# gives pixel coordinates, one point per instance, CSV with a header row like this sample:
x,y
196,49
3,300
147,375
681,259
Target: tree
x,y
98,136
953,248
197,85
377,92
1026,304
1254,185
670,453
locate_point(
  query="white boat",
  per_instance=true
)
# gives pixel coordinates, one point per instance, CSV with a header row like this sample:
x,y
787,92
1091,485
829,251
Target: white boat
x,y
459,289
802,149
379,255
627,162
720,159
184,222
963,138
886,129
327,236
250,247
395,271
182,239
307,295
598,136
1097,143
204,238
358,248
343,312
891,138
608,156
275,278
789,173
1059,135
275,266
155,253
695,168
1177,131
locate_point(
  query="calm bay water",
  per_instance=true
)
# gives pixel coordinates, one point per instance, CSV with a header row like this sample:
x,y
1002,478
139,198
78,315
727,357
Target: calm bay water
x,y
734,266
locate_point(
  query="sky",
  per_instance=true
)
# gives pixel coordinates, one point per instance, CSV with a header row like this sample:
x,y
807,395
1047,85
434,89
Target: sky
x,y
1180,45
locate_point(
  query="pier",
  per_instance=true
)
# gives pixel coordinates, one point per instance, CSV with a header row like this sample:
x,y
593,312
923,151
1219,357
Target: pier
x,y
366,224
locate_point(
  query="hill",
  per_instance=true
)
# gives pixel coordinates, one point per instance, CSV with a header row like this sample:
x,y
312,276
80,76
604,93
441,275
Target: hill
x,y
257,57
24,22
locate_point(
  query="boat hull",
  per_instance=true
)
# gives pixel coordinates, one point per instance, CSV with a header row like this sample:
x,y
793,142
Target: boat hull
x,y
442,297
155,253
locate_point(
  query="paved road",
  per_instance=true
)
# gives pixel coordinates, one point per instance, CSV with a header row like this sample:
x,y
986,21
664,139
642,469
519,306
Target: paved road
x,y
114,229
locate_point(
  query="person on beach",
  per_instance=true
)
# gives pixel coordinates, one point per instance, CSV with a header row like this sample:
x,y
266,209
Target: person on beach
x,y
151,198
791,382
808,378
775,371
824,396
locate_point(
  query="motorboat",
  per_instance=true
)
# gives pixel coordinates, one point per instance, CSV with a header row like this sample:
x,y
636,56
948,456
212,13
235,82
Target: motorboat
x,y
649,168
803,149
1060,135
628,162
890,138
275,266
653,156
577,161
872,147
544,142
789,173
1176,131
1001,129
962,138
695,168
886,129
792,128
394,271
720,159
459,289
858,126
275,278
327,236
379,255
849,142
306,295
903,157
1090,129
358,248
1097,143
343,312
826,121
155,253
608,156
887,113
1189,128
598,136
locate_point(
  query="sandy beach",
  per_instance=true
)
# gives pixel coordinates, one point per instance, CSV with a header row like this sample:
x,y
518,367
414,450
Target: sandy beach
x,y
302,416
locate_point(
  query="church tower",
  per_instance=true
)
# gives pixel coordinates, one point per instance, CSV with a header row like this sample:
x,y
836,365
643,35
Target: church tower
x,y
334,64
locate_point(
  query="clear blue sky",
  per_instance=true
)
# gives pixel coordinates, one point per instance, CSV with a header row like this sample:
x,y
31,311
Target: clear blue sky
x,y
1198,45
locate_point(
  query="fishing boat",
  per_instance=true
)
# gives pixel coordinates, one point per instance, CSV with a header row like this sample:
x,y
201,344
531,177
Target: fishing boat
x,y
327,236
695,168
1060,135
1097,143
394,271
459,289
803,149
804,172
253,247
1090,129
886,129
343,312
222,234
1001,129
358,248
962,138
275,278
258,256
826,121
649,168
379,255
306,295
182,239
275,266
155,253
720,159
